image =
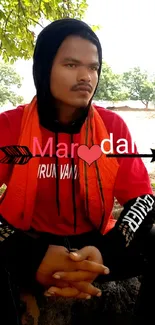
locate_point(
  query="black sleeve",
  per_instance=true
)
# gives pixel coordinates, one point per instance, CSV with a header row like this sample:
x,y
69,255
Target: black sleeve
x,y
135,221
21,252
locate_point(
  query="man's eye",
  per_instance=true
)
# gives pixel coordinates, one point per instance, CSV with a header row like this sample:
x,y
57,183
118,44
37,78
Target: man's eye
x,y
71,65
94,68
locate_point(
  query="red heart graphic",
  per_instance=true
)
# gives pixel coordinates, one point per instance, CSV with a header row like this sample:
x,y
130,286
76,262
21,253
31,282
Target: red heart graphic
x,y
89,155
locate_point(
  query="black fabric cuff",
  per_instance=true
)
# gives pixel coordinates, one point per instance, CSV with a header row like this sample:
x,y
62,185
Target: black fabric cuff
x,y
121,236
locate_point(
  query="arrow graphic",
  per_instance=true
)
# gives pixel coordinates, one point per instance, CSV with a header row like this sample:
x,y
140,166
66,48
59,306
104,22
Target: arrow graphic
x,y
21,155
18,155
126,155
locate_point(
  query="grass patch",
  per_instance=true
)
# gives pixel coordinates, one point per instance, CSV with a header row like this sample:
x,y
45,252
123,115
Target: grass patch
x,y
153,185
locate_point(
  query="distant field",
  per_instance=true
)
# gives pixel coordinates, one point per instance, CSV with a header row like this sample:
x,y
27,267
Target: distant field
x,y
142,127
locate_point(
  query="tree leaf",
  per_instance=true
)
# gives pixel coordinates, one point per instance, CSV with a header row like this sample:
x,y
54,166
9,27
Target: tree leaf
x,y
8,79
18,19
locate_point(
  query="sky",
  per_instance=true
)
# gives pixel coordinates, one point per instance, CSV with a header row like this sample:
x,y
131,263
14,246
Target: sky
x,y
127,36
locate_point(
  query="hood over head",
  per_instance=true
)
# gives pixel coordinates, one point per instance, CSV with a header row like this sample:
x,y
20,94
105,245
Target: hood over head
x,y
47,45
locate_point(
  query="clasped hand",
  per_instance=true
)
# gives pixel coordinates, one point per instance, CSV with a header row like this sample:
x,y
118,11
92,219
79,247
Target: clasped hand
x,y
71,274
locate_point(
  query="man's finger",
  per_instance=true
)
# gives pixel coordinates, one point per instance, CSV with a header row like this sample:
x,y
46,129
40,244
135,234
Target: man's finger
x,y
74,276
59,283
62,292
67,292
82,254
92,267
83,296
88,288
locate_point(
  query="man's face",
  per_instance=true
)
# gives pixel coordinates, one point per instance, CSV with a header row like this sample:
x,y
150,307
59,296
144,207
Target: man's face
x,y
74,74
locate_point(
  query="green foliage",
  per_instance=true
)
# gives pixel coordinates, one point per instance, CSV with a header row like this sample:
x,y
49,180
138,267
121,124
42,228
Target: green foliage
x,y
139,85
110,86
9,79
18,18
133,85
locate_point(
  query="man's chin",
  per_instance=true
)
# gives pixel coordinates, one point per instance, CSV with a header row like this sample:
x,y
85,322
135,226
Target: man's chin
x,y
81,103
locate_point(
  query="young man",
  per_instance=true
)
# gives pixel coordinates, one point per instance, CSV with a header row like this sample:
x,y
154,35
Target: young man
x,y
58,202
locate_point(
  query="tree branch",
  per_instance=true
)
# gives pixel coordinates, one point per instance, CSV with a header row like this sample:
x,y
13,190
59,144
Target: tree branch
x,y
36,22
143,101
7,20
29,18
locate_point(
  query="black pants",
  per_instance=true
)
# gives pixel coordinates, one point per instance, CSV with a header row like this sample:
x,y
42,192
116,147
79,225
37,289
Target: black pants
x,y
9,298
137,260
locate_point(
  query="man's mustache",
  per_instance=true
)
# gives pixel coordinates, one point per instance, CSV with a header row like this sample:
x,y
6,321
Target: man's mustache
x,y
82,85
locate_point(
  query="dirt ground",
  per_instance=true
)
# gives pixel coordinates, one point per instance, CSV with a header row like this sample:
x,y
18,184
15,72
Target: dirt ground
x,y
152,179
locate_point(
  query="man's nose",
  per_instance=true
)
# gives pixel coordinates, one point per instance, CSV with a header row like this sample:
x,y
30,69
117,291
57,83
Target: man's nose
x,y
84,74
